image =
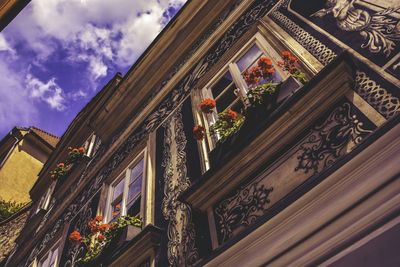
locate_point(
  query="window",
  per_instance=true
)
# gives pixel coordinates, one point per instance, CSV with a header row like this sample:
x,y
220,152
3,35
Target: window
x,y
45,199
125,192
231,84
50,259
91,145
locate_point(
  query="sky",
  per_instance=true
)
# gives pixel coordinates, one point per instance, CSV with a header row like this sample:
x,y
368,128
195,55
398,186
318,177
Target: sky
x,y
57,54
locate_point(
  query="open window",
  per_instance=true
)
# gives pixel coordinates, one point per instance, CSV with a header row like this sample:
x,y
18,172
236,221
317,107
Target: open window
x,y
125,192
255,64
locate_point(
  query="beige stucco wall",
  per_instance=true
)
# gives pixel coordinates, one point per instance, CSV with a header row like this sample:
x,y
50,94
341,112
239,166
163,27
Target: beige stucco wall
x,y
19,173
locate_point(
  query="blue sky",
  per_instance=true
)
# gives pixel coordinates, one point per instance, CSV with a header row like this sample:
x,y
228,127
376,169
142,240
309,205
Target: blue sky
x,y
57,54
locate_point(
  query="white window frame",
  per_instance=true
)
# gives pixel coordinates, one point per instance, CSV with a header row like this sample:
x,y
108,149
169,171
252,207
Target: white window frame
x,y
90,145
46,198
125,175
206,120
49,256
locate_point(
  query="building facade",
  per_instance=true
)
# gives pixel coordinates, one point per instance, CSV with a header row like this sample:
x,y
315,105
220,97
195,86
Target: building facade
x,y
23,151
250,133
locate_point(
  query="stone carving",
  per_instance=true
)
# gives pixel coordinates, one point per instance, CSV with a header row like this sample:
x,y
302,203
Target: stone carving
x,y
242,209
309,42
379,98
379,30
338,134
181,234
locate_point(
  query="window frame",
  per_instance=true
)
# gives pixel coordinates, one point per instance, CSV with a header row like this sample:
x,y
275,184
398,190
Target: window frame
x,y
45,200
126,175
206,120
91,145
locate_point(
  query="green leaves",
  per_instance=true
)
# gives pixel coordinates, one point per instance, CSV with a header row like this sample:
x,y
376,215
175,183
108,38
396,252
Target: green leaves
x,y
258,94
8,208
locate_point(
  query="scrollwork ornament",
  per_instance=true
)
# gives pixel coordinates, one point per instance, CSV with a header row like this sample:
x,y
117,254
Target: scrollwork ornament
x,y
242,209
340,132
181,249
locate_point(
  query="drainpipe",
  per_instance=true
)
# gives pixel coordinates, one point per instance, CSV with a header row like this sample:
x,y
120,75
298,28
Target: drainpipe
x,y
11,150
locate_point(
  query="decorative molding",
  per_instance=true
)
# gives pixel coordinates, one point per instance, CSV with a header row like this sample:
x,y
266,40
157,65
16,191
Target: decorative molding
x,y
379,98
242,209
181,233
337,135
378,29
327,139
309,42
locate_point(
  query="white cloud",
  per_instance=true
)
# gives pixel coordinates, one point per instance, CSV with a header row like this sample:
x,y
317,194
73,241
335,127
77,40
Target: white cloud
x,y
49,92
100,33
4,45
77,95
16,107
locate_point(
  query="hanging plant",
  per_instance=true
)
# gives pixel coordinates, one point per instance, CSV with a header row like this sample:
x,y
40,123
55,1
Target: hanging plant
x,y
199,132
60,171
289,64
75,154
101,234
207,105
228,123
264,70
261,94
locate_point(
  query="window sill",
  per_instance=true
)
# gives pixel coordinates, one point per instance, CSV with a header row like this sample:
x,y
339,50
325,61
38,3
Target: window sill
x,y
256,144
257,119
134,245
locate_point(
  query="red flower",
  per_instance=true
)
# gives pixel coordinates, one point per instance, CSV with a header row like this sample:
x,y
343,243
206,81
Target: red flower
x,y
98,218
269,71
81,150
60,165
75,236
104,227
101,237
230,115
292,59
286,54
264,62
207,105
253,75
93,226
199,132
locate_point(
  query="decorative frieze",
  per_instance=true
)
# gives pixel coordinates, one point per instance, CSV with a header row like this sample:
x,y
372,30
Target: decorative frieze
x,y
333,135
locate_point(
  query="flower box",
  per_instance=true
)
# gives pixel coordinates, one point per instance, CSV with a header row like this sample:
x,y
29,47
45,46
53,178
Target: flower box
x,y
257,118
125,234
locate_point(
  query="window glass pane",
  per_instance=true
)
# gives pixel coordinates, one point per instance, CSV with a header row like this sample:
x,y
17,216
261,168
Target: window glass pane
x,y
134,207
222,84
116,208
137,170
249,58
226,99
118,189
135,188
